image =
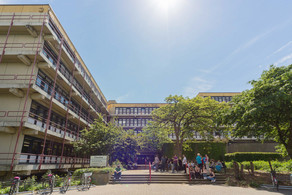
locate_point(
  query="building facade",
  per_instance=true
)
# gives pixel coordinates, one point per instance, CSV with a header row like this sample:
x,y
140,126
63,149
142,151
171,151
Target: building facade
x,y
47,94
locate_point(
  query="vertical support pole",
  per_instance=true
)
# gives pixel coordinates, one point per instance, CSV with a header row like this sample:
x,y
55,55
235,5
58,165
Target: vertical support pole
x,y
80,109
67,111
7,35
51,102
149,171
27,93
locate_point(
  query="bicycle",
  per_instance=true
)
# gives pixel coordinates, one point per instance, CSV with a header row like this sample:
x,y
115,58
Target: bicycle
x,y
66,183
14,186
274,180
85,181
47,185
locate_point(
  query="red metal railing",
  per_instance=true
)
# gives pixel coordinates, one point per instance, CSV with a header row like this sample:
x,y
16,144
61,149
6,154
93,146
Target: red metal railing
x,y
54,127
12,115
149,171
17,77
23,17
29,158
190,176
20,45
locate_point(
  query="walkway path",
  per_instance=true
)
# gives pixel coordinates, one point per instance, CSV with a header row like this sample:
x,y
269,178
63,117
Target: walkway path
x,y
174,189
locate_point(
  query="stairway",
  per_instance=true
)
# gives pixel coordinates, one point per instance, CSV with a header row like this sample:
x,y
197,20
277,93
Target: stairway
x,y
164,178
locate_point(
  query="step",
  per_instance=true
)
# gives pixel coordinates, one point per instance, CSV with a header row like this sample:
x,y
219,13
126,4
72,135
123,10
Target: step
x,y
166,182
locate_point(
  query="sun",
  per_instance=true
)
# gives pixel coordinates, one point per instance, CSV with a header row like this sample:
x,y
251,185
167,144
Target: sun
x,y
165,5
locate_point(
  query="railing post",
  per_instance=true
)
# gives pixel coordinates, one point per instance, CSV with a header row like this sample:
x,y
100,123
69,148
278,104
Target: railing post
x,y
190,177
8,33
149,171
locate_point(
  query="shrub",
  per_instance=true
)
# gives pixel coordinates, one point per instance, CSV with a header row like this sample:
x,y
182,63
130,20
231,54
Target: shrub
x,y
252,156
280,166
79,172
215,150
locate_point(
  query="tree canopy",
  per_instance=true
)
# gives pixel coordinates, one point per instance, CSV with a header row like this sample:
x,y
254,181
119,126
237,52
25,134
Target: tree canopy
x,y
107,139
184,117
265,109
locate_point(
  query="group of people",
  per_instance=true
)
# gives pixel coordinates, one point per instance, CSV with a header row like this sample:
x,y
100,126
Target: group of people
x,y
166,164
202,168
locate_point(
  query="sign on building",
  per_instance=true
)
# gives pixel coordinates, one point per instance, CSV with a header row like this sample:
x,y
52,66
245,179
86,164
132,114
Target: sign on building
x,y
98,161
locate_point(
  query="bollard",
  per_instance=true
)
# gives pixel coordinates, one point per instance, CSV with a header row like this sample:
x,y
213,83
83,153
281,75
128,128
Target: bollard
x,y
291,178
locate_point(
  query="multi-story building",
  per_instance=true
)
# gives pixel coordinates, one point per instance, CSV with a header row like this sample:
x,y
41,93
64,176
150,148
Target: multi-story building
x,y
133,116
219,96
47,94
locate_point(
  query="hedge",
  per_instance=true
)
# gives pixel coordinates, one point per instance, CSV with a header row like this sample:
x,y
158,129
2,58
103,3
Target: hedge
x,y
252,156
215,150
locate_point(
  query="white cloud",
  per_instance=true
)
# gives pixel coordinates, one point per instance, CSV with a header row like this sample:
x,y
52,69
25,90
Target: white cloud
x,y
284,60
282,48
122,98
196,85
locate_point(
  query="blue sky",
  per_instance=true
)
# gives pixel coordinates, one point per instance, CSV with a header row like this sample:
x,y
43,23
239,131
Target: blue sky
x,y
145,50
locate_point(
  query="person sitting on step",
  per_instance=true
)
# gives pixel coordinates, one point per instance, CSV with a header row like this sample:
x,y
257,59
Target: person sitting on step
x,y
118,173
211,177
218,166
197,172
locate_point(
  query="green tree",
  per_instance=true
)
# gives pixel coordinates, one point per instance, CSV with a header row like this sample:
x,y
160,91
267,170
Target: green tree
x,y
265,109
99,138
153,137
126,146
185,116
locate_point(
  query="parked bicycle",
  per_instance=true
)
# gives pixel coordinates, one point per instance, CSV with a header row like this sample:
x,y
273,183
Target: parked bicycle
x,y
274,180
47,185
85,181
66,183
14,186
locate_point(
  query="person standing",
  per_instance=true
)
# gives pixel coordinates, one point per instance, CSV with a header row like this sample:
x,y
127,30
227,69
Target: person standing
x,y
156,162
199,161
163,163
175,159
207,162
184,162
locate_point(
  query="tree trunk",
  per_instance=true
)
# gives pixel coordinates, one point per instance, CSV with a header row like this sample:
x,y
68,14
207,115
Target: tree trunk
x,y
178,145
178,148
236,170
252,167
241,170
289,145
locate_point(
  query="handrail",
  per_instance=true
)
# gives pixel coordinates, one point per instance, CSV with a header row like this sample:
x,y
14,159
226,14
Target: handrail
x,y
52,124
190,177
67,159
149,171
20,77
20,45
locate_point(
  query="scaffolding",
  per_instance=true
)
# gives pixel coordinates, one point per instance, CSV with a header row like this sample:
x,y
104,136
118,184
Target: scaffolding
x,y
62,46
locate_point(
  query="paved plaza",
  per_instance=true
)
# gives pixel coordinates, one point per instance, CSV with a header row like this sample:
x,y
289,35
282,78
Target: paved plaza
x,y
172,189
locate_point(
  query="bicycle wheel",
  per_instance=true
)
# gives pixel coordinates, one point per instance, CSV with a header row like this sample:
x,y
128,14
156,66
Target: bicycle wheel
x,y
12,190
65,187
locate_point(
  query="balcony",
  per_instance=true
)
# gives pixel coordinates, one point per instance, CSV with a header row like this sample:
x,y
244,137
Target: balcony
x,y
35,21
53,127
27,161
63,99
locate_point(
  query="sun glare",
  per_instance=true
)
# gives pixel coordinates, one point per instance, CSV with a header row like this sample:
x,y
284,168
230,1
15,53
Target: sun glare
x,y
165,6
